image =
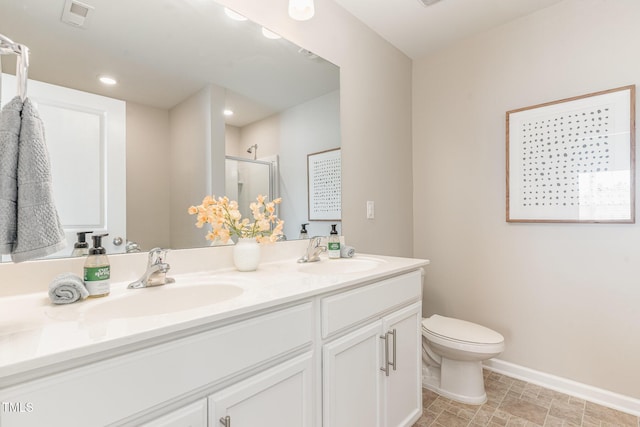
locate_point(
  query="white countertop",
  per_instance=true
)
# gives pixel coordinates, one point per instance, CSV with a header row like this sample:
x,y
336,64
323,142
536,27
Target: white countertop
x,y
36,335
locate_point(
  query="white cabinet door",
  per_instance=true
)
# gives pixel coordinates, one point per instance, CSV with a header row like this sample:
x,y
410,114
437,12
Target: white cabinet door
x,y
281,396
352,379
403,388
358,391
193,415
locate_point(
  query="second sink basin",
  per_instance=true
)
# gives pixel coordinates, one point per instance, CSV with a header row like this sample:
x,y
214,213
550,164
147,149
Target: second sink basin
x,y
340,266
160,300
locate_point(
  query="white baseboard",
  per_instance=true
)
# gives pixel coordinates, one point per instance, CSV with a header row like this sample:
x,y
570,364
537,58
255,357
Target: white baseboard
x,y
600,396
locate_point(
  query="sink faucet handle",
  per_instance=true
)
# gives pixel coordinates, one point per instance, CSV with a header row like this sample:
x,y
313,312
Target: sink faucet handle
x,y
315,241
157,256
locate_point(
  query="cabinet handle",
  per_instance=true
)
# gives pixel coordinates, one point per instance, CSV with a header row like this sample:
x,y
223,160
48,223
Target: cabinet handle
x,y
226,421
385,369
395,337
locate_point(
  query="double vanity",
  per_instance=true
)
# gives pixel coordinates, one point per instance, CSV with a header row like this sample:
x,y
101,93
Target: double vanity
x,y
328,343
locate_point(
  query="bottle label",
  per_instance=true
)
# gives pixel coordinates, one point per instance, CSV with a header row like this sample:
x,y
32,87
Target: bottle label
x,y
97,280
94,274
334,249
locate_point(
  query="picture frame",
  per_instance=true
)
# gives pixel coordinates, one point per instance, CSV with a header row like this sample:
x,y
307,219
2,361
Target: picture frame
x,y
324,183
572,160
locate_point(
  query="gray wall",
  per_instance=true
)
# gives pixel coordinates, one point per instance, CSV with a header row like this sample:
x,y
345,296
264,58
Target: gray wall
x,y
565,296
375,118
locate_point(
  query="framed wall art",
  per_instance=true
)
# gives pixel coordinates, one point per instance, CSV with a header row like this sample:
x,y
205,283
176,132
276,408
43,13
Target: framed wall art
x,y
573,160
324,185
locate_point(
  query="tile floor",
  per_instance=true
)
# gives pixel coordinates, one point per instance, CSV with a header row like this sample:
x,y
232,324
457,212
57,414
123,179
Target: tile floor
x,y
513,402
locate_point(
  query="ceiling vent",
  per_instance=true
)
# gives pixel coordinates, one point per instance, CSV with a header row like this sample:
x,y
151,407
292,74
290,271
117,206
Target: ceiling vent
x,y
76,13
428,2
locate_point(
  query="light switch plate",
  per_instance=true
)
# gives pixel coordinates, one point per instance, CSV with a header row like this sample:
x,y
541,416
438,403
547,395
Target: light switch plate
x,y
370,210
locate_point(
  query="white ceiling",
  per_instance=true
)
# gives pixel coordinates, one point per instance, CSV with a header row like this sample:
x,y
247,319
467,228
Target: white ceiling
x,y
163,51
419,30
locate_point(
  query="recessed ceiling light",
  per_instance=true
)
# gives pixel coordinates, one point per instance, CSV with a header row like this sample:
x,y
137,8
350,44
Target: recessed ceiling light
x,y
234,15
228,113
301,10
107,80
270,34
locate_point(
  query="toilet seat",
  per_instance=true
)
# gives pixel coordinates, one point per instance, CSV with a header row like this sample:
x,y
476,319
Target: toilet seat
x,y
460,334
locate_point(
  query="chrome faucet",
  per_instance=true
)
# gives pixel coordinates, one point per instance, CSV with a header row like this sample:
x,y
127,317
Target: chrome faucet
x,y
156,273
312,254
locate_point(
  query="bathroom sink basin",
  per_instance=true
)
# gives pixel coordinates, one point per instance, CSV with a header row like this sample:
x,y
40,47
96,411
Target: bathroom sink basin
x,y
160,300
340,266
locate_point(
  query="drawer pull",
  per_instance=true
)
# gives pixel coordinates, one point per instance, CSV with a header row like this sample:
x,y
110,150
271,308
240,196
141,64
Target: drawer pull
x,y
387,359
395,338
226,421
385,369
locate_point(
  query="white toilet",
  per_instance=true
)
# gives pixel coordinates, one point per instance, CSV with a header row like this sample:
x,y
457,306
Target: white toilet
x,y
453,352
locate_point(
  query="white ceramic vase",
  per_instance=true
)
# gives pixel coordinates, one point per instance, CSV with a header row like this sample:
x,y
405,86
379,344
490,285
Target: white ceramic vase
x,y
246,254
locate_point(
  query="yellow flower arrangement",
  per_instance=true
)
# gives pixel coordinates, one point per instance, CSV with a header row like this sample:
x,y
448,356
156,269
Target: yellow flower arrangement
x,y
226,220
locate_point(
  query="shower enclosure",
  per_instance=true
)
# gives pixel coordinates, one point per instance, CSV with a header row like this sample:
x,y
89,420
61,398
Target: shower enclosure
x,y
245,179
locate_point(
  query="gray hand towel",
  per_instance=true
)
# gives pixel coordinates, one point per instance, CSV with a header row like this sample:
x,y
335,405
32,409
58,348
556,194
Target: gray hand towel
x,y
347,251
67,288
9,136
39,230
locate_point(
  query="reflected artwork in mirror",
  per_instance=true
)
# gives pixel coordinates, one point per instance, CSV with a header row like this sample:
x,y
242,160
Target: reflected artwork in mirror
x,y
129,158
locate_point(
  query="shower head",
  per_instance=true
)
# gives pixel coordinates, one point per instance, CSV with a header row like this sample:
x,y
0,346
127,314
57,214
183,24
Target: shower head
x,y
253,149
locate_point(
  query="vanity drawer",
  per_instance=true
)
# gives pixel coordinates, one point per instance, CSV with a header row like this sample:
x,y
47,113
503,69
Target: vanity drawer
x,y
149,378
342,310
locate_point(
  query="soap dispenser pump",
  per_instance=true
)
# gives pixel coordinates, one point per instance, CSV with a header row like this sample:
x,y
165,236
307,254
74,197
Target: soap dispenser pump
x,y
97,270
303,231
334,243
81,247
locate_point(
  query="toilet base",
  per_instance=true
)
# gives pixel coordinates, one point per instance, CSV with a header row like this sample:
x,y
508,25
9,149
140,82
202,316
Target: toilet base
x,y
456,380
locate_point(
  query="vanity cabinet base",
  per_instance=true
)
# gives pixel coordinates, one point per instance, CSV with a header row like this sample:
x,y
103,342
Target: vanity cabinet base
x,y
343,358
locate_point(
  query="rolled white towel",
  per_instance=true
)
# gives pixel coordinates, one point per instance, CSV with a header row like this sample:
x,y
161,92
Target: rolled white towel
x,y
347,251
67,288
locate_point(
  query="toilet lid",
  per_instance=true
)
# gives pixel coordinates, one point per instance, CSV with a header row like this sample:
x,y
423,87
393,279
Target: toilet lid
x,y
461,330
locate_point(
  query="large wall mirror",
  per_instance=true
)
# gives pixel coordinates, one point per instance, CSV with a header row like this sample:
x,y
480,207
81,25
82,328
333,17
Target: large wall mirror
x,y
140,152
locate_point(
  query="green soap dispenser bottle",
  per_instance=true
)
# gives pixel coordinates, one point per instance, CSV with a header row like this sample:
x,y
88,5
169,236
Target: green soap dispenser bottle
x,y
81,247
334,243
97,270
